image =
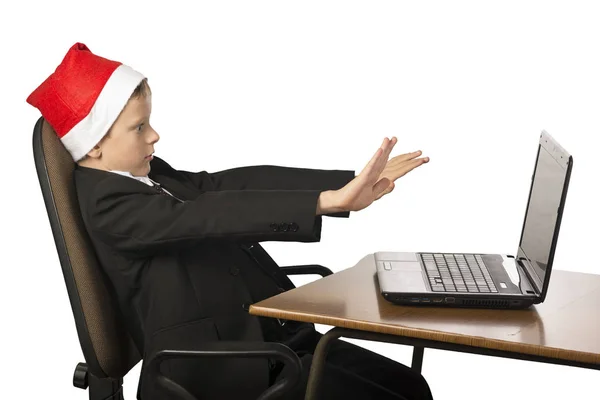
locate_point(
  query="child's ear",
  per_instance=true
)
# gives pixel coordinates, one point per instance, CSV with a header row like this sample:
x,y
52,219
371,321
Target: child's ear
x,y
96,152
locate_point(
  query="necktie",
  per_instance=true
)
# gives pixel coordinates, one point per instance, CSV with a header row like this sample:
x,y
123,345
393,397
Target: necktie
x,y
160,190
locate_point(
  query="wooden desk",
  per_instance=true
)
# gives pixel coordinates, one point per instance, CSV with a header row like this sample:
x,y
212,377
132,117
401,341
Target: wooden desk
x,y
565,329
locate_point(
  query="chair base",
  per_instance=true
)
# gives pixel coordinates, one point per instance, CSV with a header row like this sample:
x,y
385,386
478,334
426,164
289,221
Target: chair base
x,y
99,388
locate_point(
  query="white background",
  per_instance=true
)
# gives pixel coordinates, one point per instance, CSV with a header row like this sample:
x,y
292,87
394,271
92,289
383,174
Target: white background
x,y
319,84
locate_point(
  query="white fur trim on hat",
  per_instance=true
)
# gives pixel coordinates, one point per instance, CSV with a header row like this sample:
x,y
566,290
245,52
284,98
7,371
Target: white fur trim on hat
x,y
111,101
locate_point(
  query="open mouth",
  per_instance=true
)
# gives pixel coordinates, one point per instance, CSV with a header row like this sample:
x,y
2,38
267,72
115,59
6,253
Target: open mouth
x,y
149,157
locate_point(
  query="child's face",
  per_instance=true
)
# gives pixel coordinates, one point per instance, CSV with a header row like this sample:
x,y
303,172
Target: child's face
x,y
131,139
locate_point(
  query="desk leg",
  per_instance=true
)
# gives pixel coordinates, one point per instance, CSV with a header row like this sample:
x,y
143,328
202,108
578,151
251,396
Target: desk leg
x,y
417,359
318,363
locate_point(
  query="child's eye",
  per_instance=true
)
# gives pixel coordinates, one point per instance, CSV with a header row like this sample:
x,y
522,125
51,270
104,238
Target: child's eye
x,y
140,126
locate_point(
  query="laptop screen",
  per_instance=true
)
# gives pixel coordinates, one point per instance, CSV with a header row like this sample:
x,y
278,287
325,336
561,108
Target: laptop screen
x,y
542,212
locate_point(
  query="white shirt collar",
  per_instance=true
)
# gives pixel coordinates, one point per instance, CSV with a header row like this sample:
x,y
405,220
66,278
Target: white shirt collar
x,y
144,179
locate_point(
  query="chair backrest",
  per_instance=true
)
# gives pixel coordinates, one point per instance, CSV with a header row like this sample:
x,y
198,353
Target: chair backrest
x,y
107,346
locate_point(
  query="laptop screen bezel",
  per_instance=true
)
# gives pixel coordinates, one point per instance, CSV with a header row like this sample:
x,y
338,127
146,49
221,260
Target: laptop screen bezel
x,y
564,159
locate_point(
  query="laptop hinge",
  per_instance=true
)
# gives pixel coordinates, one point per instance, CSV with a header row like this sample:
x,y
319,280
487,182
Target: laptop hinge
x,y
527,267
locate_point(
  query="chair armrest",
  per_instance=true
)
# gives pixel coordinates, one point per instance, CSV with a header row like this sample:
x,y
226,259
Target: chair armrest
x,y
307,269
220,349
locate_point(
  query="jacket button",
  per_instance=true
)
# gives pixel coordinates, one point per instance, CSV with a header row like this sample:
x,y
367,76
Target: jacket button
x,y
284,227
246,306
294,226
274,227
234,271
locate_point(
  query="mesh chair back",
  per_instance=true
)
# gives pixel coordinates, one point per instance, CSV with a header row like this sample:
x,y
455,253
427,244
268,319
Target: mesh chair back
x,y
107,347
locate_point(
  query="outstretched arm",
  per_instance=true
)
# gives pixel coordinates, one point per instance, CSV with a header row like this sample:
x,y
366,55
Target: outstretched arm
x,y
145,223
268,177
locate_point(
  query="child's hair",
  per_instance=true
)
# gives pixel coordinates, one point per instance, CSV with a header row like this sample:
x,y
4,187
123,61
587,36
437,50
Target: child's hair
x,y
143,89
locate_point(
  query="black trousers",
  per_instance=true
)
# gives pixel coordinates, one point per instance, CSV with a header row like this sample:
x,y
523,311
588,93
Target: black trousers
x,y
353,372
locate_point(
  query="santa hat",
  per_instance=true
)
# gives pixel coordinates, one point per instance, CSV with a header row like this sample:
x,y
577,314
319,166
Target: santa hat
x,y
83,97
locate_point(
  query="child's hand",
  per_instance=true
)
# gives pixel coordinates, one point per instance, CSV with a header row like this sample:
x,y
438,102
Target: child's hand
x,y
377,178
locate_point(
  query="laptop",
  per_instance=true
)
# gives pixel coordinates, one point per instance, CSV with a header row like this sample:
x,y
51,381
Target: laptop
x,y
489,280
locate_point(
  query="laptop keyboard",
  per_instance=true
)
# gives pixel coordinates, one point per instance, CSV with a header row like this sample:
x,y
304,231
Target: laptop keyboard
x,y
457,273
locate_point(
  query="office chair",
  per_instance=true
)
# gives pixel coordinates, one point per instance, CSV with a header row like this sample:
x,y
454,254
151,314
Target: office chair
x,y
108,348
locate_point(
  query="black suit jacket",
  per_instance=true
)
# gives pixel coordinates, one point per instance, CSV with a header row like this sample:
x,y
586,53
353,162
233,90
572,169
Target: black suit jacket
x,y
177,268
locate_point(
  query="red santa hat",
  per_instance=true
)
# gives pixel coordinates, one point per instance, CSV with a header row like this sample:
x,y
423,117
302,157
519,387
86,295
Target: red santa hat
x,y
83,97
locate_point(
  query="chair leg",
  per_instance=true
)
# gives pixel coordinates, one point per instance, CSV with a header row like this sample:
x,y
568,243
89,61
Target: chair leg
x,y
99,388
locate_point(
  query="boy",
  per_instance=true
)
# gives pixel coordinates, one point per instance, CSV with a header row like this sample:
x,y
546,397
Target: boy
x,y
178,256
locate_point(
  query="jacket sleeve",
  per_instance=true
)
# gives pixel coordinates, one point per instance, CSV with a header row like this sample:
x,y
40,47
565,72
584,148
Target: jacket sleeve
x,y
273,177
144,223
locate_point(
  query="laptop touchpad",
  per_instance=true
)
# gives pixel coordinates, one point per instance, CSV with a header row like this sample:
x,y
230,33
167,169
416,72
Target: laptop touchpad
x,y
407,282
406,266
410,276
396,256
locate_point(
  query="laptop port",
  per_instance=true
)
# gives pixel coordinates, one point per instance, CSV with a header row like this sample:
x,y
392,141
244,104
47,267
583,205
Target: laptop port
x,y
414,300
450,299
438,300
425,300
